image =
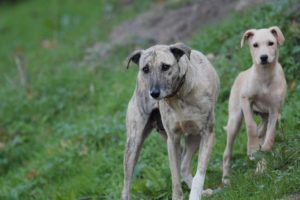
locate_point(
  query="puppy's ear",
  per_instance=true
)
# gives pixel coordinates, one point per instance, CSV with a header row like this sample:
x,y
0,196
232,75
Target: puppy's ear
x,y
277,34
179,49
247,35
134,57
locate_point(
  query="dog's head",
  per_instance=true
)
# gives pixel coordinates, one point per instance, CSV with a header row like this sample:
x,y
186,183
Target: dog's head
x,y
263,44
160,71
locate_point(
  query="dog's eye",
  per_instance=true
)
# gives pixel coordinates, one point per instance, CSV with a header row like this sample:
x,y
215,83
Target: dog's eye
x,y
270,43
165,67
146,69
255,45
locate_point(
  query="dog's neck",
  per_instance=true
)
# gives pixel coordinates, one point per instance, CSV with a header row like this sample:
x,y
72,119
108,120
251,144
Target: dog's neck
x,y
265,72
178,88
182,89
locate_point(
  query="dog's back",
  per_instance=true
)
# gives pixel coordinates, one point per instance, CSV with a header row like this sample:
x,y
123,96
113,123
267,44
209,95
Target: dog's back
x,y
206,75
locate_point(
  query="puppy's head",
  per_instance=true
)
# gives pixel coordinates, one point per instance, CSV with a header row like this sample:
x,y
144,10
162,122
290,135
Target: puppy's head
x,y
263,44
159,70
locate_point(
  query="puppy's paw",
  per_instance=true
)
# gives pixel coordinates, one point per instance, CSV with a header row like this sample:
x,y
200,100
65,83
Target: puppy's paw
x,y
226,181
251,157
266,147
253,146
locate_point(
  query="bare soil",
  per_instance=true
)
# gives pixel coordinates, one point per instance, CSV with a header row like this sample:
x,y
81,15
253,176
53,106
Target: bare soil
x,y
166,25
163,25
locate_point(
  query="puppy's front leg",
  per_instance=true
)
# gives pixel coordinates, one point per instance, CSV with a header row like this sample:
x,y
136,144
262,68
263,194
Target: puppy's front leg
x,y
262,128
174,152
253,140
270,135
204,155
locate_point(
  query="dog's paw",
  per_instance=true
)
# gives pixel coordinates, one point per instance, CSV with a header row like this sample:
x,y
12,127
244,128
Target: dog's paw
x,y
251,157
207,192
125,197
266,147
253,148
226,181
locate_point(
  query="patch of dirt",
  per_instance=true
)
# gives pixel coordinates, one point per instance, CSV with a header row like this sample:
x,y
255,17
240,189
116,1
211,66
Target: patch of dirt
x,y
162,25
165,25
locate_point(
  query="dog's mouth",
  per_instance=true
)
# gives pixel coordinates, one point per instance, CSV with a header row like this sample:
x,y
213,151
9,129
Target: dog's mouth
x,y
156,98
264,62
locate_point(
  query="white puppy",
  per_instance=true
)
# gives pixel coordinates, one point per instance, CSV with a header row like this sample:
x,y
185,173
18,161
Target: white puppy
x,y
259,90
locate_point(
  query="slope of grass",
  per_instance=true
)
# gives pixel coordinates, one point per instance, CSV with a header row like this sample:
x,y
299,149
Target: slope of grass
x,y
66,140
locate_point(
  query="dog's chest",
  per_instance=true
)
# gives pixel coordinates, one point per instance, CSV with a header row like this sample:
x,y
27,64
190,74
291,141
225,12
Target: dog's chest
x,y
188,127
264,98
184,118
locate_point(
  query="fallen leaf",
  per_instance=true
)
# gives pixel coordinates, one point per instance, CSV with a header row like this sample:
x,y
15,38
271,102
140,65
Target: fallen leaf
x,y
32,174
48,44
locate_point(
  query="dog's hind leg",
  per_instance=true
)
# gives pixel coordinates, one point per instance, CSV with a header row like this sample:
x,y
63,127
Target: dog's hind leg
x,y
233,127
191,146
138,128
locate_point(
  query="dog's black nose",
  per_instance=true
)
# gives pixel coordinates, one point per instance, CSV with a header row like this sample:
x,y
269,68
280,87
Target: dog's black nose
x,y
154,92
264,59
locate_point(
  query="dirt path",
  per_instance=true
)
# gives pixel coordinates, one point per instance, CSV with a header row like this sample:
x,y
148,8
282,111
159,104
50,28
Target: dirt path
x,y
162,25
165,25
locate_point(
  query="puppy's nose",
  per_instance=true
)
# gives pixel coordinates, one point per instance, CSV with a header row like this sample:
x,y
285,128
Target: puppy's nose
x,y
264,58
154,92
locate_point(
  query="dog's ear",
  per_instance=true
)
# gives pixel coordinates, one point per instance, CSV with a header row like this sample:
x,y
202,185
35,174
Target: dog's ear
x,y
179,49
247,35
134,57
277,34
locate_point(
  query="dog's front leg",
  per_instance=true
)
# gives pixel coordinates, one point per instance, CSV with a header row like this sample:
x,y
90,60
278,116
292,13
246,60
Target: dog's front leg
x,y
174,152
253,140
270,135
137,130
204,155
191,146
262,128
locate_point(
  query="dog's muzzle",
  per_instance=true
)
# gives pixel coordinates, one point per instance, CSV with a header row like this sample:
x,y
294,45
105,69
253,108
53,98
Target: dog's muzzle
x,y
155,92
264,59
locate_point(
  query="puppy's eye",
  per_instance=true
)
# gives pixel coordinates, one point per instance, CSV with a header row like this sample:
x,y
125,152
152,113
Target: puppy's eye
x,y
270,43
165,67
146,69
255,45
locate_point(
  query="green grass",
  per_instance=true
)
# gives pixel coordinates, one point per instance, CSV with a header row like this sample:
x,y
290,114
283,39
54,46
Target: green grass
x,y
67,139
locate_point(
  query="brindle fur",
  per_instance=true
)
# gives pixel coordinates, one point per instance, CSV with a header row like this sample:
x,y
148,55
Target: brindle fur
x,y
184,109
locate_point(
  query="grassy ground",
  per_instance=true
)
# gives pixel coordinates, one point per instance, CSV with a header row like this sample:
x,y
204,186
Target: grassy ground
x,y
66,139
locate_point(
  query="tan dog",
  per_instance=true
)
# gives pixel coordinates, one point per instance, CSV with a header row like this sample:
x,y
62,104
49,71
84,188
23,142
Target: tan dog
x,y
176,93
259,90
